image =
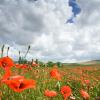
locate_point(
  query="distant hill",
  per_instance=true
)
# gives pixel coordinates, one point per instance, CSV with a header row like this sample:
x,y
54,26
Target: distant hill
x,y
90,62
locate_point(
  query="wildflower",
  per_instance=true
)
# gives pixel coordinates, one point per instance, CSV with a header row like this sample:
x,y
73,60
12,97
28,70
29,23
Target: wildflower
x,y
6,62
66,92
55,74
35,65
17,77
87,82
19,83
84,94
17,65
49,93
7,74
24,66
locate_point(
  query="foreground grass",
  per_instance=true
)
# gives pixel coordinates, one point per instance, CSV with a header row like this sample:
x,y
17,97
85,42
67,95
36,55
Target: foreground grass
x,y
72,76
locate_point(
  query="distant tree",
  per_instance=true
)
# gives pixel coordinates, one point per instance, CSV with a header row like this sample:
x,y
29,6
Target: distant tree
x,y
50,64
59,64
41,64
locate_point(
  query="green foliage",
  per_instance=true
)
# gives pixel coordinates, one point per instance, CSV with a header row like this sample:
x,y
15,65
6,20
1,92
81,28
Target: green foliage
x,y
22,60
50,64
41,64
59,64
45,82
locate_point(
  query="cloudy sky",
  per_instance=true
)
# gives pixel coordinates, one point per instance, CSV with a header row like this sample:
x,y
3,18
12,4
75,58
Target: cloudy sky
x,y
57,30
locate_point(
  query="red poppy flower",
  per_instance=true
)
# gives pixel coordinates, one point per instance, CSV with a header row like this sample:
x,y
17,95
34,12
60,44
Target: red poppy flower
x,y
17,77
6,62
21,66
49,93
24,66
55,74
35,65
87,82
7,74
19,83
0,63
66,92
17,65
84,94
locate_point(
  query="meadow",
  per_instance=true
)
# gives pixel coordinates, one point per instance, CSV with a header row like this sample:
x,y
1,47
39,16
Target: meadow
x,y
73,76
34,80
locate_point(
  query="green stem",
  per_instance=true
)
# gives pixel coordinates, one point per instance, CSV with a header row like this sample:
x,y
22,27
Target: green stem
x,y
58,85
19,58
2,50
27,51
8,51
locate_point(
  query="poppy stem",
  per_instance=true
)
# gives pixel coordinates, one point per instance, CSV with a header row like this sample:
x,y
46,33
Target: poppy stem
x,y
8,51
27,51
19,58
58,85
88,87
2,50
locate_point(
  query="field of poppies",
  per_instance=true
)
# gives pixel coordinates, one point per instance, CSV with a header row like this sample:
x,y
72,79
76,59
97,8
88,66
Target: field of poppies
x,y
32,80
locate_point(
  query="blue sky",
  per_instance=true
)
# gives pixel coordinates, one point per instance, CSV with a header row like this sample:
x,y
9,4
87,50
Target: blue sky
x,y
75,9
42,24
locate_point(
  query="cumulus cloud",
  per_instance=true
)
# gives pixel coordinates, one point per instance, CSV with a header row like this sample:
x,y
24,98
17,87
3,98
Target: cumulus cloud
x,y
42,24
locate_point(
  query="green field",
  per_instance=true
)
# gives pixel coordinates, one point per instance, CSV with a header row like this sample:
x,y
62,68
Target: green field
x,y
72,76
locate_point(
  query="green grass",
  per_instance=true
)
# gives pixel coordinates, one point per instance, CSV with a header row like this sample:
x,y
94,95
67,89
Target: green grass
x,y
44,81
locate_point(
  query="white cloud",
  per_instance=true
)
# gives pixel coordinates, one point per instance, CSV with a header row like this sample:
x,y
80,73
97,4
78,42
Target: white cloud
x,y
43,25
